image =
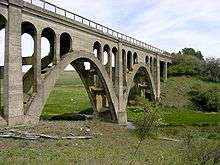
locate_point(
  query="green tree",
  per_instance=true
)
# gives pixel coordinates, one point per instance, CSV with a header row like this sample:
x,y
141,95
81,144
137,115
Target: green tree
x,y
192,52
185,65
211,69
205,98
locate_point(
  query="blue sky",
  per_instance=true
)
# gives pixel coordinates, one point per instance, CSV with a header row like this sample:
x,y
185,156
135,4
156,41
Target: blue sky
x,y
167,24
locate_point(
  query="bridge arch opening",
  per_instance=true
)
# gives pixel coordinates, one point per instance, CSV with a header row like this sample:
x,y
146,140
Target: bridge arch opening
x,y
65,44
129,61
142,86
97,49
3,23
28,43
28,40
151,61
154,68
75,93
106,55
135,58
48,38
146,59
114,55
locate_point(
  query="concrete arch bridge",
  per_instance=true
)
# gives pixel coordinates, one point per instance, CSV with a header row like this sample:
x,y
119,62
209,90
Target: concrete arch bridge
x,y
108,62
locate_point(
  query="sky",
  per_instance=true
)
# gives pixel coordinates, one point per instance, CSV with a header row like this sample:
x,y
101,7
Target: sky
x,y
167,24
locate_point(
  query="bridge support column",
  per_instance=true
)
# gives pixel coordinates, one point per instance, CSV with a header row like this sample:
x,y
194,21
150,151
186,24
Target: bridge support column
x,y
165,71
57,50
152,67
132,63
122,114
13,94
37,62
158,78
124,65
110,65
100,57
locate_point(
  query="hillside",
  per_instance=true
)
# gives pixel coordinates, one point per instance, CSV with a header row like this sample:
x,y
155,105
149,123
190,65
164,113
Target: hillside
x,y
175,91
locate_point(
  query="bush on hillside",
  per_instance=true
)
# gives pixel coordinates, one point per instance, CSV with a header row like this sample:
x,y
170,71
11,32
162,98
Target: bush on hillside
x,y
205,99
211,69
185,65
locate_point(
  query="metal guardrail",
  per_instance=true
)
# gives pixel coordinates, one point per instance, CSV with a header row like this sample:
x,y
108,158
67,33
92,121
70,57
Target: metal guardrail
x,y
58,10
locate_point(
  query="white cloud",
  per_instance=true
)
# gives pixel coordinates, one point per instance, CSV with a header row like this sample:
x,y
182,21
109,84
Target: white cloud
x,y
167,24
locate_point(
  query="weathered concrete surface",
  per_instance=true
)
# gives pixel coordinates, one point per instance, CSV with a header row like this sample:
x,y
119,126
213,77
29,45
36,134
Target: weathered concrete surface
x,y
13,94
73,42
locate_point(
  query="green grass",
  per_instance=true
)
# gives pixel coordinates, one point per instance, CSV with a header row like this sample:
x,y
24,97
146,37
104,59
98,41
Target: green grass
x,y
175,91
69,95
191,118
180,117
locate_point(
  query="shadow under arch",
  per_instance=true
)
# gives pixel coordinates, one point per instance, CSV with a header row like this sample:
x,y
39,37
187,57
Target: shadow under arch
x,y
34,112
149,80
3,22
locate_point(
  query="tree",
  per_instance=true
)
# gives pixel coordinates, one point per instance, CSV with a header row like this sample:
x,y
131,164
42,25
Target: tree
x,y
211,69
185,65
205,98
192,52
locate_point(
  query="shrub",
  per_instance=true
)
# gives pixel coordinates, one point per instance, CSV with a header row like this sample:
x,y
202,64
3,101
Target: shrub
x,y
199,150
185,65
205,98
211,69
135,91
147,121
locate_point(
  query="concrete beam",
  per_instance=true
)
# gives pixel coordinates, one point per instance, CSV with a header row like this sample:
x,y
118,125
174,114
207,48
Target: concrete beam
x,y
18,3
27,60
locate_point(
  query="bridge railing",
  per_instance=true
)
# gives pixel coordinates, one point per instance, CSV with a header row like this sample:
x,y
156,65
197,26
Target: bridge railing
x,y
58,10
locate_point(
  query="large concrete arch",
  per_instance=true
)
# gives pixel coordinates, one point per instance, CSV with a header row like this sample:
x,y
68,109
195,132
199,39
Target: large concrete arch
x,y
35,109
149,79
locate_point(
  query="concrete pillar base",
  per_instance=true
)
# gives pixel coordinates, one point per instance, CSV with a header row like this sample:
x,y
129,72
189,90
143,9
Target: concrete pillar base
x,y
122,118
17,120
33,120
3,122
